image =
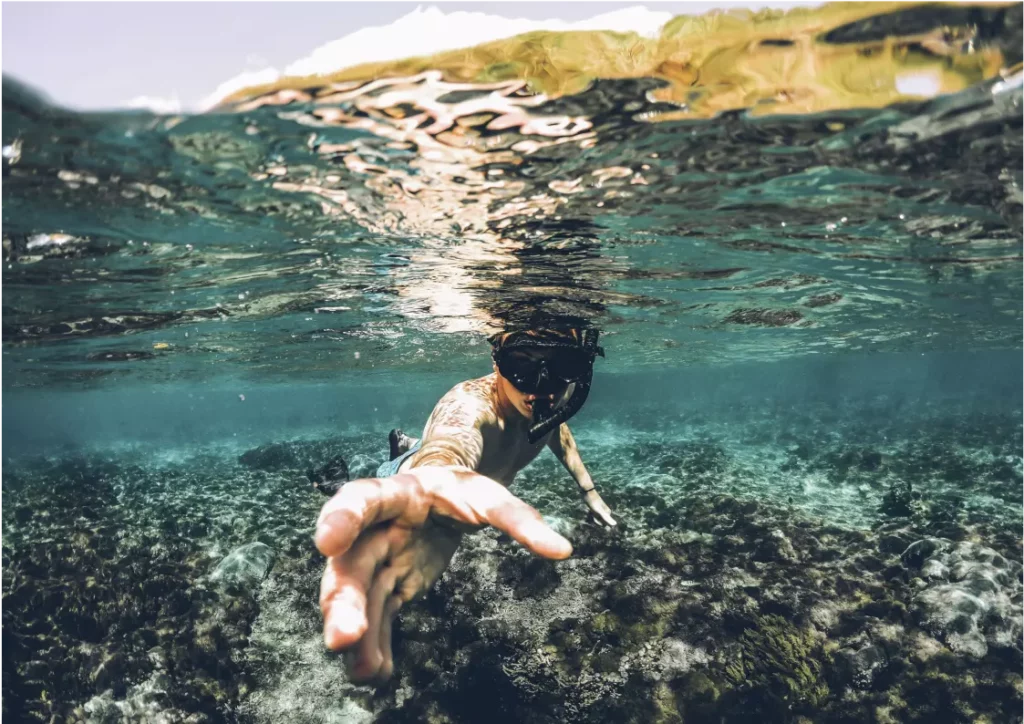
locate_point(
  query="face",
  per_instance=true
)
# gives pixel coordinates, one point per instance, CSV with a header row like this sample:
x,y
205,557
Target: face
x,y
522,401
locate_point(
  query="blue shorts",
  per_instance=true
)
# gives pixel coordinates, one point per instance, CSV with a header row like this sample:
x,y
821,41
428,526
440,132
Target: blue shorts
x,y
391,466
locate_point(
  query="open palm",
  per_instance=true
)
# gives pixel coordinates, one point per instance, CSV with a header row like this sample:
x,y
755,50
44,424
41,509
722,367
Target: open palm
x,y
388,540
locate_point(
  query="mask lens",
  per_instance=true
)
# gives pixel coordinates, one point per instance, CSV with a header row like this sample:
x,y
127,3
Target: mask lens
x,y
542,376
521,371
568,366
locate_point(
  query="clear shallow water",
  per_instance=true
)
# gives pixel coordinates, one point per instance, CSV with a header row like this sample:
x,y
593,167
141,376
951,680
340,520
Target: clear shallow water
x,y
811,312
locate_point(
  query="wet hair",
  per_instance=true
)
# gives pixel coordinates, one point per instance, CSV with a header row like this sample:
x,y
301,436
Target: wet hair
x,y
541,338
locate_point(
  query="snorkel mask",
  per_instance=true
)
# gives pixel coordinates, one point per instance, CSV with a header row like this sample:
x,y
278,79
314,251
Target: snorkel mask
x,y
569,368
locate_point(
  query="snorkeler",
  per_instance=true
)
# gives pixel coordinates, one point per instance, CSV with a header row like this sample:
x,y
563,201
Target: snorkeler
x,y
388,539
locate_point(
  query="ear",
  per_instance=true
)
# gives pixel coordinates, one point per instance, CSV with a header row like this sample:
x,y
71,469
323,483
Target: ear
x,y
494,366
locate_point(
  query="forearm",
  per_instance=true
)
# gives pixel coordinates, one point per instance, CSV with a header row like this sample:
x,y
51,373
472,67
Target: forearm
x,y
442,453
564,447
565,450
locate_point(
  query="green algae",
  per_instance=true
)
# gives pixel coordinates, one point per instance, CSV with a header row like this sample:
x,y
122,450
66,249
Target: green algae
x,y
780,662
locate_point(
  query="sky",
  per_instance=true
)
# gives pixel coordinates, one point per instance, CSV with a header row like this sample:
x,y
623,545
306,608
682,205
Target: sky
x,y
186,55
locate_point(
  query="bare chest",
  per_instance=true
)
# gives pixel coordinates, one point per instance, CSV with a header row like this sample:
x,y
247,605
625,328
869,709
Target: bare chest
x,y
506,452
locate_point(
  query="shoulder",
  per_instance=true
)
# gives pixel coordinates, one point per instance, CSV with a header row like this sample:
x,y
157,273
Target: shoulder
x,y
481,387
467,401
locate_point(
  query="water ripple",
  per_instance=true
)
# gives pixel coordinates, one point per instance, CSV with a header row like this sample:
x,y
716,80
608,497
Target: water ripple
x,y
760,201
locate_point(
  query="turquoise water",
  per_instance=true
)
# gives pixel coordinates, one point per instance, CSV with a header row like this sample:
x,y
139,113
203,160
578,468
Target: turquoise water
x,y
813,335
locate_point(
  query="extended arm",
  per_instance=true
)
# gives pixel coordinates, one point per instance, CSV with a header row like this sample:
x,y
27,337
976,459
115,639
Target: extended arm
x,y
452,435
563,445
383,539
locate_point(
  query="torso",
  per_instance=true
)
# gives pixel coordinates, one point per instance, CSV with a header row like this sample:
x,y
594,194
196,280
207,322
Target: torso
x,y
506,449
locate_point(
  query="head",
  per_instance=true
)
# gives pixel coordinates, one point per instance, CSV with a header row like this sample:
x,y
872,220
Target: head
x,y
532,361
545,374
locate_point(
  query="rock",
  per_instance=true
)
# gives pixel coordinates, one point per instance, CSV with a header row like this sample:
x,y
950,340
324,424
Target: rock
x,y
934,570
870,460
671,620
144,702
859,666
272,457
110,671
775,547
102,709
529,577
824,616
971,599
919,551
946,510
894,543
897,502
679,657
245,567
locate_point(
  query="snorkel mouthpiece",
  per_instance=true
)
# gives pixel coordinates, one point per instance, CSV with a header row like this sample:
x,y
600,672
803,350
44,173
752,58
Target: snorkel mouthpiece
x,y
545,422
541,411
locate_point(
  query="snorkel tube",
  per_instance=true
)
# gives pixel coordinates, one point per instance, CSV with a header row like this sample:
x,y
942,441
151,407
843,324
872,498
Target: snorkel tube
x,y
544,418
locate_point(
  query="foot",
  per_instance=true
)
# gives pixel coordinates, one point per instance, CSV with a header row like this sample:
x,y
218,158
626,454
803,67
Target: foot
x,y
329,479
399,442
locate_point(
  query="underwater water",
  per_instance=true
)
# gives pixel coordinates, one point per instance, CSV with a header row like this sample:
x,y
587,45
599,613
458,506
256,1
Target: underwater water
x,y
800,237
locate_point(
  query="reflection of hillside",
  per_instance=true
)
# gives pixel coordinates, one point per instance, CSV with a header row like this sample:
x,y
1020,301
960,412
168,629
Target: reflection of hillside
x,y
843,55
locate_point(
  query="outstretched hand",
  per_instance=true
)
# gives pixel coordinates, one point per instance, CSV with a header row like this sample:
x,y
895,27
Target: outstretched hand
x,y
387,540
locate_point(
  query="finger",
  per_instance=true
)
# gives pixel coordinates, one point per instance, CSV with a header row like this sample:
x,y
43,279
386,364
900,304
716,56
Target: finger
x,y
599,508
369,657
390,611
496,505
343,590
356,507
605,515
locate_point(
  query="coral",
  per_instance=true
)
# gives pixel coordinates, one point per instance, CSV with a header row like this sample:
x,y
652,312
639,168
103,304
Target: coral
x,y
706,604
971,595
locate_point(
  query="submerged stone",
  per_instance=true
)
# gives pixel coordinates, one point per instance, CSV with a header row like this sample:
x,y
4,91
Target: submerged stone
x,y
897,502
859,666
272,457
971,596
246,566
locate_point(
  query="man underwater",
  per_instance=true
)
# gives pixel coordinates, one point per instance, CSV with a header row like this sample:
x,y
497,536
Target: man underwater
x,y
388,539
